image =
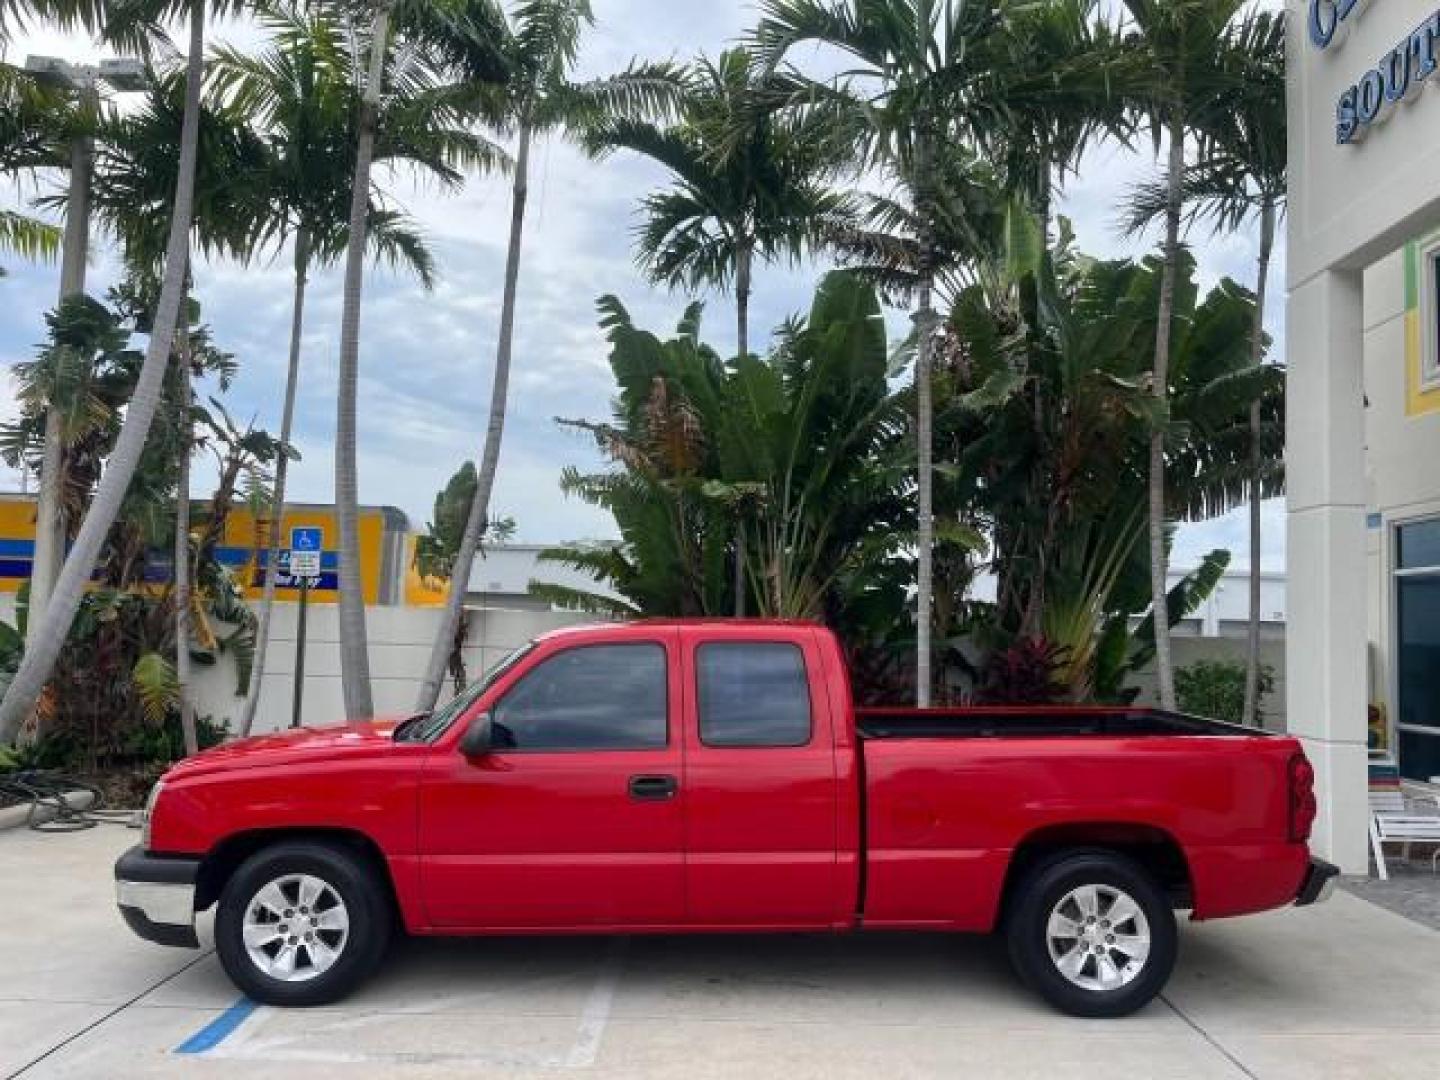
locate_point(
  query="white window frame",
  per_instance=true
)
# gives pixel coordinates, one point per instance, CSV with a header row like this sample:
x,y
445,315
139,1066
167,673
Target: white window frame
x,y
1429,284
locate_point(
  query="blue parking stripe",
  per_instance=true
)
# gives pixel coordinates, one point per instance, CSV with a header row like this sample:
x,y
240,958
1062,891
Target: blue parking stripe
x,y
219,1029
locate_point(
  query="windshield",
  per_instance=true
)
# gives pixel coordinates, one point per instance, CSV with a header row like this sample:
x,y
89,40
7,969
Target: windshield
x,y
431,727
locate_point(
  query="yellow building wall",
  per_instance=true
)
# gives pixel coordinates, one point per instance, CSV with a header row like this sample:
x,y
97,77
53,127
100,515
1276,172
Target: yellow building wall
x,y
420,591
240,548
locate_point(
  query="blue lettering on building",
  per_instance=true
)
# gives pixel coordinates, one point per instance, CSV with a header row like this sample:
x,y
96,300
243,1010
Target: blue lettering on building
x,y
1400,71
1326,17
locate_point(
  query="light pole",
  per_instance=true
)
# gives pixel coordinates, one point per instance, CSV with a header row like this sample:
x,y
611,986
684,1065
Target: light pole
x,y
83,80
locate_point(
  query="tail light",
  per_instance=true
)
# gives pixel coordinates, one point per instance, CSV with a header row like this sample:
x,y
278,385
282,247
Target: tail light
x,y
1302,798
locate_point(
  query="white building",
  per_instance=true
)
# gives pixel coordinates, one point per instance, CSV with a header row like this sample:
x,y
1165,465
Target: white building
x,y
1363,355
501,576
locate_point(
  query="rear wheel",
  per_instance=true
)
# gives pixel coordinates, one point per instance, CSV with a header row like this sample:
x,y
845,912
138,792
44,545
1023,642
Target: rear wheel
x,y
1092,933
301,923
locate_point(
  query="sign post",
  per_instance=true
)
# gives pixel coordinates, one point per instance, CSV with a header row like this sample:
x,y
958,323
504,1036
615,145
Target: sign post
x,y
303,560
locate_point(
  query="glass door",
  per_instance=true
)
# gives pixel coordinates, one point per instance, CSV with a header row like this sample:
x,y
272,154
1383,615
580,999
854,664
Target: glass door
x,y
1417,648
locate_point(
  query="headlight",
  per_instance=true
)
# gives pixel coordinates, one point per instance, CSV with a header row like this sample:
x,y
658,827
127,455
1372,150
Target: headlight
x,y
148,814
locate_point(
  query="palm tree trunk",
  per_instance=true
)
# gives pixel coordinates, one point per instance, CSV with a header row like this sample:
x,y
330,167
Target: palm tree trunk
x,y
354,646
45,644
49,508
1257,345
277,502
743,257
924,319
1164,667
182,554
477,519
925,536
739,567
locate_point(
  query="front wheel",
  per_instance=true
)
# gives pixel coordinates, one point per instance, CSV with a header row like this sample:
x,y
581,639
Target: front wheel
x,y
301,923
1093,934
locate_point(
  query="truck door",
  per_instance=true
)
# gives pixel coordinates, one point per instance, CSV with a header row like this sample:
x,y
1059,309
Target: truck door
x,y
760,781
574,818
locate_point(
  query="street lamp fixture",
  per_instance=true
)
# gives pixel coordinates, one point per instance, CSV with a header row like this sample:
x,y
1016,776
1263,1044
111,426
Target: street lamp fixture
x,y
124,76
121,75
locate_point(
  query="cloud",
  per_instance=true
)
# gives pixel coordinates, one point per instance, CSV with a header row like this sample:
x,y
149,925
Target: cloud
x,y
427,359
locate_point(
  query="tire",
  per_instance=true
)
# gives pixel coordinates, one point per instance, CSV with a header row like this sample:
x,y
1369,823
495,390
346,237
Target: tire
x,y
272,894
1080,963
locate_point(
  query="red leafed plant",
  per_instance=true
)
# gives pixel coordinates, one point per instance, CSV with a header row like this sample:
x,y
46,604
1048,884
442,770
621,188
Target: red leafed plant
x,y
1025,673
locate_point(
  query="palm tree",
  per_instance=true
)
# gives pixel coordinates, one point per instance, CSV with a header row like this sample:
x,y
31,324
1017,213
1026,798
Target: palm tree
x,y
182,570
968,211
28,121
301,90
917,76
1174,73
459,42
27,237
1243,177
1056,89
49,635
541,46
750,180
67,14
32,120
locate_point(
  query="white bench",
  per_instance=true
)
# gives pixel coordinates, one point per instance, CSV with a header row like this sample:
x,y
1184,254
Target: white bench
x,y
1394,819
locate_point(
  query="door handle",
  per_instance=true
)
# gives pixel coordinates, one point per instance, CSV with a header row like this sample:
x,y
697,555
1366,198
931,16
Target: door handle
x,y
653,788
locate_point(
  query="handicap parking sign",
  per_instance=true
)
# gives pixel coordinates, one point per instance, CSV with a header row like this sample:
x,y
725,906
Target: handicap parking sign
x,y
307,538
306,544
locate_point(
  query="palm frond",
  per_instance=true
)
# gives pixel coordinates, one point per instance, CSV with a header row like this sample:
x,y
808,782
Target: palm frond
x,y
28,237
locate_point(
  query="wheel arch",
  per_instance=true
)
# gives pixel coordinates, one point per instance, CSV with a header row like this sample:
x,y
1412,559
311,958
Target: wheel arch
x,y
222,860
1155,849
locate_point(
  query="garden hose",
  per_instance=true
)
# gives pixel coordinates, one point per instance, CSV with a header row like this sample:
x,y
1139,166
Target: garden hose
x,y
48,796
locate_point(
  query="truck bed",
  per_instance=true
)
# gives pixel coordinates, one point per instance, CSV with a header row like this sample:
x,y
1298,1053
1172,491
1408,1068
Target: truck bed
x,y
992,722
952,794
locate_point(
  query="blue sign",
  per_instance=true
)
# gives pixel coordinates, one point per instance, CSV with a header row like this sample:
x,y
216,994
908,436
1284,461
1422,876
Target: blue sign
x,y
307,538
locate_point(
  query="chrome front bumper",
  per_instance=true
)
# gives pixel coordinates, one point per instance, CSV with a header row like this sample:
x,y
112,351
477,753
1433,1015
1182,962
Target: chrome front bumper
x,y
156,896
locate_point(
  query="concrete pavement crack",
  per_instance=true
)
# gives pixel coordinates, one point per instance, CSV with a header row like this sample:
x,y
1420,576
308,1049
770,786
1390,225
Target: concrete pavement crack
x,y
113,1012
1209,1038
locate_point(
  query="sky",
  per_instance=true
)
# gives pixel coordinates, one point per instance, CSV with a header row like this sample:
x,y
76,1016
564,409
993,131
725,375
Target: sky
x,y
426,359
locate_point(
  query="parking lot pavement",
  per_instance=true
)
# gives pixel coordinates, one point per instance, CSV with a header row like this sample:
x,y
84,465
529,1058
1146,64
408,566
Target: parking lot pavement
x,y
1345,989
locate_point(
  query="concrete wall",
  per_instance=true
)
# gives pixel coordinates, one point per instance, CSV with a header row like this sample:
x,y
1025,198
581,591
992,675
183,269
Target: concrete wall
x,y
1188,650
400,640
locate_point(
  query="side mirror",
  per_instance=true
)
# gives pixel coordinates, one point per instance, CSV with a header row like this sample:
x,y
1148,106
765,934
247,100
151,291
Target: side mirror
x,y
477,740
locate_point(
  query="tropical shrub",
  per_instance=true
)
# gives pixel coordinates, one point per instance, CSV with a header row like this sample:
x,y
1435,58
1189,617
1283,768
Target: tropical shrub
x,y
114,686
438,548
1049,416
1216,688
783,464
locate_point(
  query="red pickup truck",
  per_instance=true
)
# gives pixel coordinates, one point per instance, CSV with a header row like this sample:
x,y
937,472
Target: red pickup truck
x,y
714,776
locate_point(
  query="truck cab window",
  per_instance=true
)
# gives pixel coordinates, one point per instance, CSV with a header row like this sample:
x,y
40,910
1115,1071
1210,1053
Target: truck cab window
x,y
592,697
752,694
